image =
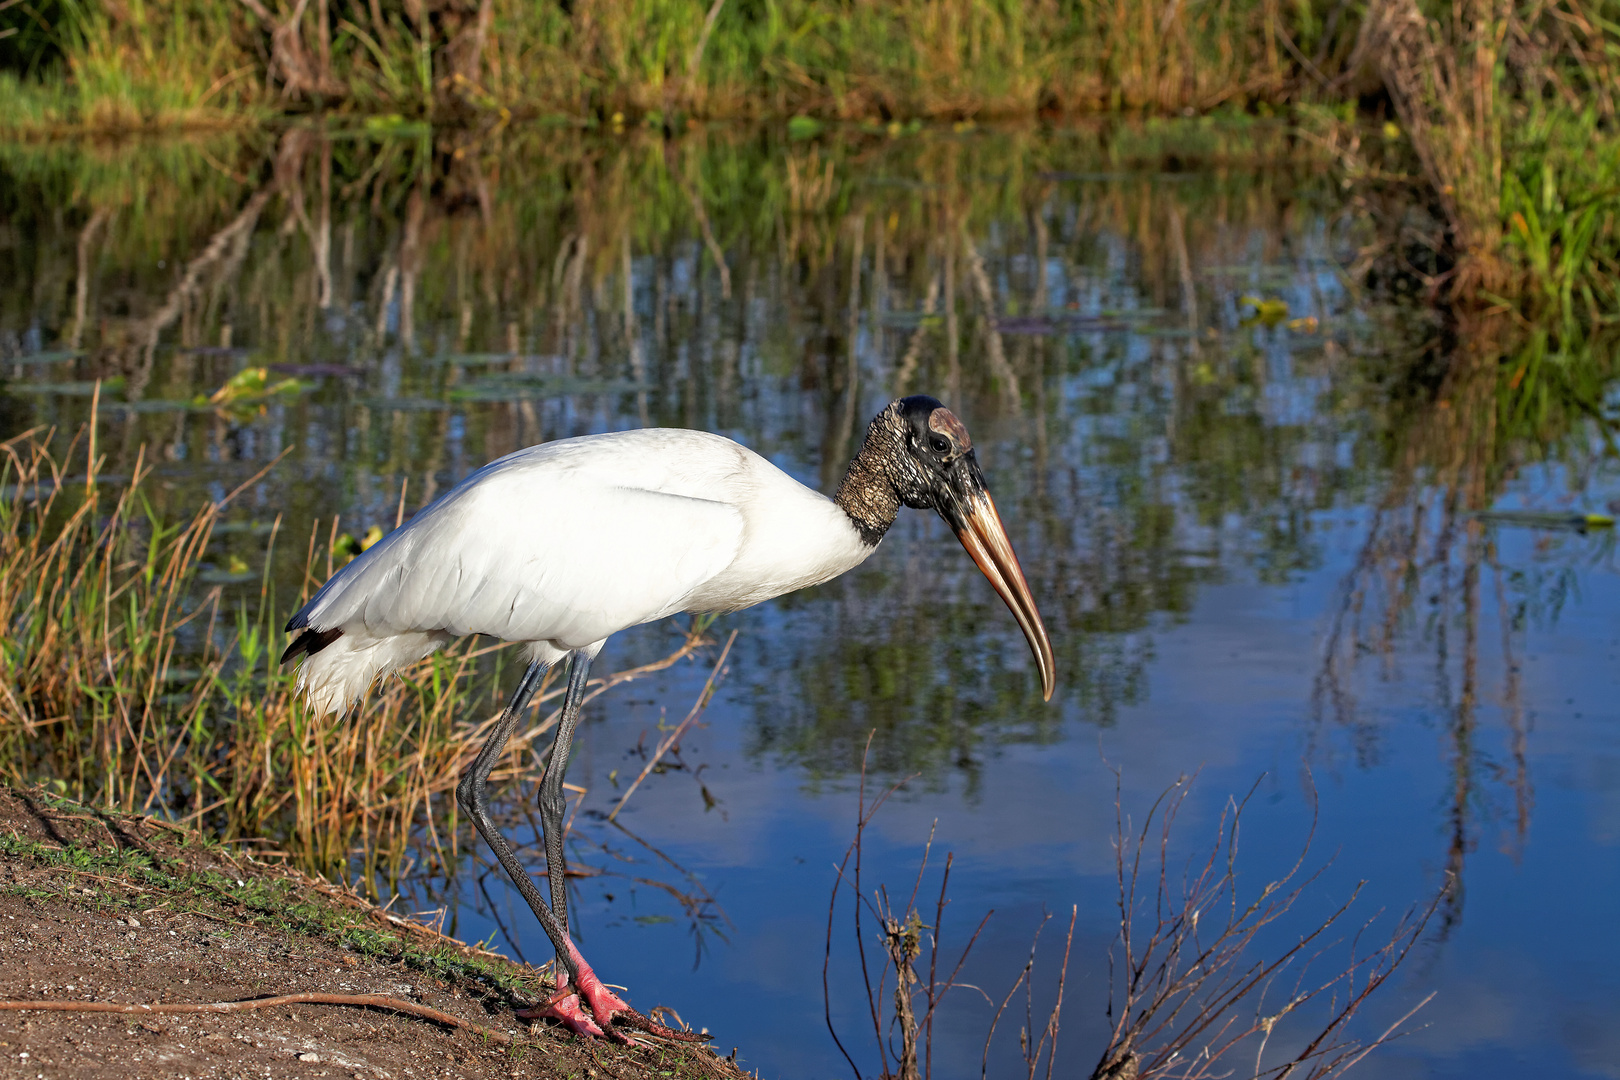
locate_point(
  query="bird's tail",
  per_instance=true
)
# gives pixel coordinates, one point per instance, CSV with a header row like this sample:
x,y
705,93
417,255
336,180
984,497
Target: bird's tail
x,y
339,672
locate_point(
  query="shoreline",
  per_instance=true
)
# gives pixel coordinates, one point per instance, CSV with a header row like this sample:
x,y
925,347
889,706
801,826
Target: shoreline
x,y
122,909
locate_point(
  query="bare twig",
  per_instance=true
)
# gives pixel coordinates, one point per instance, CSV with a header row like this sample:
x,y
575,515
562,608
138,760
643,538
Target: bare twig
x,y
365,1001
1184,984
674,737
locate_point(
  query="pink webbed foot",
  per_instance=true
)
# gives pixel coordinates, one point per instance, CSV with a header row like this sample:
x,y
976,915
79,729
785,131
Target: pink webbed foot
x,y
564,1006
606,1007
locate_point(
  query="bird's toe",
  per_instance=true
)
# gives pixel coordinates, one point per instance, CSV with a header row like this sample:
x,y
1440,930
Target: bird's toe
x,y
564,1007
634,1019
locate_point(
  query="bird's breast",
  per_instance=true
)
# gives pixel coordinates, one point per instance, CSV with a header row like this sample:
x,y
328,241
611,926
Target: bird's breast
x,y
793,538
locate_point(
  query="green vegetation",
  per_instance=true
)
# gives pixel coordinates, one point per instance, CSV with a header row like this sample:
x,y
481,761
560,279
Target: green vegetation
x,y
1503,114
113,63
101,598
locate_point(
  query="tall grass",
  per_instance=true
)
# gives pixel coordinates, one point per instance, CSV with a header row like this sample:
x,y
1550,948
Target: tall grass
x,y
128,680
1486,91
134,63
1508,112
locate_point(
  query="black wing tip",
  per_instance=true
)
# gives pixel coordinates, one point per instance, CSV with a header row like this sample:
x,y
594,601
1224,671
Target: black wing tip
x,y
309,642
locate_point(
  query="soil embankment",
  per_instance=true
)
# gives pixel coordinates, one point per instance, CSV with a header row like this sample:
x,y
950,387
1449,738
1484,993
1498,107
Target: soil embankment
x,y
104,907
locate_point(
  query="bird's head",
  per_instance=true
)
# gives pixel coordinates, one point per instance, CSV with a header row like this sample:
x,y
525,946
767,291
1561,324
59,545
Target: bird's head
x,y
932,466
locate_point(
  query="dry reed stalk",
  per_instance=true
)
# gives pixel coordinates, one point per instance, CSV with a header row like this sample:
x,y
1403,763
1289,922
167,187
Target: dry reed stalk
x,y
106,607
673,739
1444,77
1188,980
902,948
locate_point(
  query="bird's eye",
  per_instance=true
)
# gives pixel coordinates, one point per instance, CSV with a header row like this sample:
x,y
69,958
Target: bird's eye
x,y
938,444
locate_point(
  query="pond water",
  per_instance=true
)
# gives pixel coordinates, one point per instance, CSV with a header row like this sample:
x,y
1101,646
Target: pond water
x,y
1262,540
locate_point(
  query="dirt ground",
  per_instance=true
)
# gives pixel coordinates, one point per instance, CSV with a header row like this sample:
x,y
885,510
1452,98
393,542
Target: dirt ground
x,y
111,908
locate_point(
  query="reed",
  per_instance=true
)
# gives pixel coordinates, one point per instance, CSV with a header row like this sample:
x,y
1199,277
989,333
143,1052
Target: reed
x,y
118,64
1504,108
128,680
1199,977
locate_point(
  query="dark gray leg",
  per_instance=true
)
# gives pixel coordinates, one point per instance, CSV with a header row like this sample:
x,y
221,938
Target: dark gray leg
x,y
471,793
572,971
553,801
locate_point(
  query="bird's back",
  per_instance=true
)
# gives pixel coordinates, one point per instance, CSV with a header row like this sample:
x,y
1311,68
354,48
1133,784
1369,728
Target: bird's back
x,y
569,540
563,544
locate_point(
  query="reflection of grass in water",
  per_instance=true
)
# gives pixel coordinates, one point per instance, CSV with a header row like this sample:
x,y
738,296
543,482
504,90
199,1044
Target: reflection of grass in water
x,y
518,255
126,682
1500,104
1430,574
541,264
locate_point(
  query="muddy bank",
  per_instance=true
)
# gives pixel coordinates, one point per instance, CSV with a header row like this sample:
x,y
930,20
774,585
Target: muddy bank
x,y
102,907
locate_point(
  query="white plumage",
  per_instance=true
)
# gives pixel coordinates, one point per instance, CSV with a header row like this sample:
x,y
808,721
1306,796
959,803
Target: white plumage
x,y
562,544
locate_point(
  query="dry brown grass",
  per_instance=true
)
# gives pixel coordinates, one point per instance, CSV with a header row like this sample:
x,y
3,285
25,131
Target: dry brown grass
x,y
128,681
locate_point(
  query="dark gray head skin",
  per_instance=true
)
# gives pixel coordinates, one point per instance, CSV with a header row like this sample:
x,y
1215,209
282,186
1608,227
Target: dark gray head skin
x,y
918,454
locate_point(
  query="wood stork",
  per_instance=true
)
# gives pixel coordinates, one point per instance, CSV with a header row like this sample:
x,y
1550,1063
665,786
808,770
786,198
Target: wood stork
x,y
562,544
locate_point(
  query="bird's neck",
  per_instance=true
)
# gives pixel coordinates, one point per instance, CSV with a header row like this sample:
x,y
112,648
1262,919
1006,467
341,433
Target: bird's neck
x,y
867,493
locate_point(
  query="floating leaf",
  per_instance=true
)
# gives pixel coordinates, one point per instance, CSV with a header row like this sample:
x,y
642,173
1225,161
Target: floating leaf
x,y
1547,519
1267,313
244,393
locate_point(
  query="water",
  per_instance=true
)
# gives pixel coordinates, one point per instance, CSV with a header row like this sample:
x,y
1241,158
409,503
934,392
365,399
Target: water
x,y
1255,541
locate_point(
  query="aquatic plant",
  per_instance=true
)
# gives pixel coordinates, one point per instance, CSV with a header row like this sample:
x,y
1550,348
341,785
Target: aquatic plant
x,y
1195,979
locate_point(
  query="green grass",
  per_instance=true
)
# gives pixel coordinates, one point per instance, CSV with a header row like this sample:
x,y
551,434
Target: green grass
x,y
130,684
140,64
1499,104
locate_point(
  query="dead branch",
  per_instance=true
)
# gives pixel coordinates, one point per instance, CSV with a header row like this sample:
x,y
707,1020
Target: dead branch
x,y
365,1001
674,737
1185,984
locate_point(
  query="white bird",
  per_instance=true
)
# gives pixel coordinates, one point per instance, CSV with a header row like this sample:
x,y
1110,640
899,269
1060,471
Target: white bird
x,y
561,545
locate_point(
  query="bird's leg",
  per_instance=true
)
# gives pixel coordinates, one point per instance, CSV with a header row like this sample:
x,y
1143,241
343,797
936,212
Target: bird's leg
x,y
605,1005
553,800
473,796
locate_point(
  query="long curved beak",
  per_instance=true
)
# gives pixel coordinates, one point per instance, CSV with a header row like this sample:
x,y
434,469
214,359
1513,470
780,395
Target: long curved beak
x,y
979,527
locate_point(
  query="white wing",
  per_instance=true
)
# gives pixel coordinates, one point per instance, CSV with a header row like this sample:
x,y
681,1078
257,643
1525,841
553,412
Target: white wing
x,y
565,542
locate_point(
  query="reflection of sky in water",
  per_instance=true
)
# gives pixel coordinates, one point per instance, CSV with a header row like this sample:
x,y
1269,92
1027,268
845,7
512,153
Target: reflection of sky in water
x,y
1526,981
1189,507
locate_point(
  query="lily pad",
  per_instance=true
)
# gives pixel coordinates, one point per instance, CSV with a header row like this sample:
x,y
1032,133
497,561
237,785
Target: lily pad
x,y
1547,519
1267,313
